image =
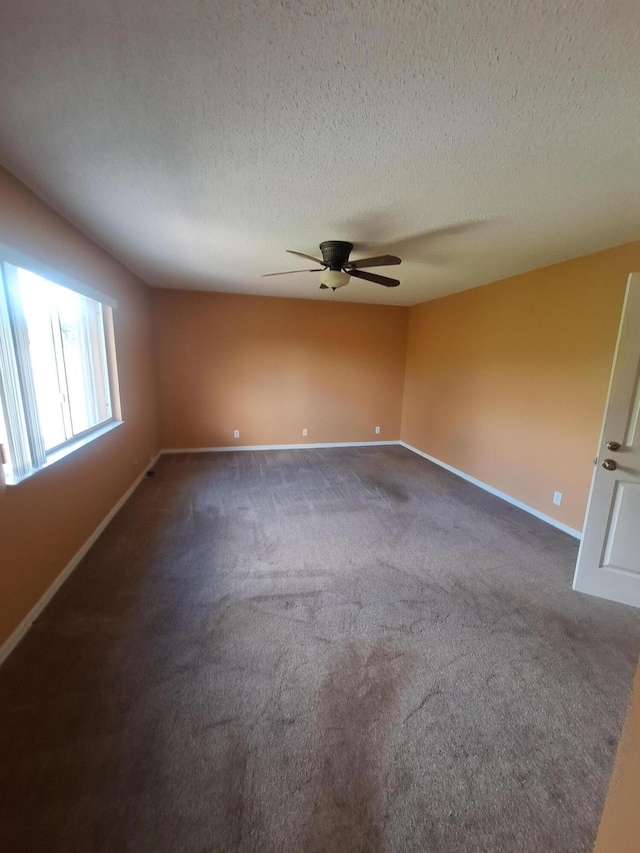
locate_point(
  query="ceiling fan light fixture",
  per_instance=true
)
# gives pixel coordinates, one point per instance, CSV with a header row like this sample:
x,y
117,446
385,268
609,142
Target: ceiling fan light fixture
x,y
338,269
334,279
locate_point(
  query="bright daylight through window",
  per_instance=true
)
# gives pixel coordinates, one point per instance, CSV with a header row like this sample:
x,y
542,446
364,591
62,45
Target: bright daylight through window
x,y
56,370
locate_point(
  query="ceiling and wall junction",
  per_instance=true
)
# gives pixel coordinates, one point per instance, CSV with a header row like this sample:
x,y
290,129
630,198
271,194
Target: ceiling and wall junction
x,y
198,141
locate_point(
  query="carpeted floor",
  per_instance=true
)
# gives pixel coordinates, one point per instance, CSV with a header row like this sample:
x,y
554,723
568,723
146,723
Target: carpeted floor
x,y
323,650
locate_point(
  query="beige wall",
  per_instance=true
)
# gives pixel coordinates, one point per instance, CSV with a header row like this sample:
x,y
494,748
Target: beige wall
x,y
508,382
46,519
271,367
620,826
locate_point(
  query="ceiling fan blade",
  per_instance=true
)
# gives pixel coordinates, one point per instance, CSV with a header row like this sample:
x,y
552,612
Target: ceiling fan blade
x,y
287,272
380,261
308,257
376,279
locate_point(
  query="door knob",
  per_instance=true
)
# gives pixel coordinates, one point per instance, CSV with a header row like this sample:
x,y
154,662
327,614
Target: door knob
x,y
610,464
613,445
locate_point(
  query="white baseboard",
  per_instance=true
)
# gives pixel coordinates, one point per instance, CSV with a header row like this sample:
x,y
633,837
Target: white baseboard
x,y
276,447
12,641
564,527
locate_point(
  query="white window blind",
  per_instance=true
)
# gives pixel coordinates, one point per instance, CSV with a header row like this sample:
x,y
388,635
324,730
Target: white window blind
x,y
54,368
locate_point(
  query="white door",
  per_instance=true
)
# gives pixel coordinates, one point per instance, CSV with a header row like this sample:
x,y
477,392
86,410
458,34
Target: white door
x,y
609,558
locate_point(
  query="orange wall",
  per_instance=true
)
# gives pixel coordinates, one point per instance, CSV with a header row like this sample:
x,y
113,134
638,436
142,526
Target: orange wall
x,y
46,519
505,382
620,826
271,367
508,382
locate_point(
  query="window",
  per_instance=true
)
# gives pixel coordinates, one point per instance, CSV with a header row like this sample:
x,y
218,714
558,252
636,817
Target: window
x,y
58,385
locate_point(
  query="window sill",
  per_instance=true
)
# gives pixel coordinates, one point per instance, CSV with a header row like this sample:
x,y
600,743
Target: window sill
x,y
67,449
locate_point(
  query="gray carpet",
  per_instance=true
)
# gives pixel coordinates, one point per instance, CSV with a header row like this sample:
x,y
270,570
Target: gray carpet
x,y
323,650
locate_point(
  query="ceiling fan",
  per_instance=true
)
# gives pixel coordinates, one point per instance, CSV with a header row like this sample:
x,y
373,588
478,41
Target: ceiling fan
x,y
337,269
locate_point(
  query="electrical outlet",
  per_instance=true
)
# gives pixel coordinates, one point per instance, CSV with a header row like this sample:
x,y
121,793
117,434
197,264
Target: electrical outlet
x,y
304,431
557,498
236,433
377,430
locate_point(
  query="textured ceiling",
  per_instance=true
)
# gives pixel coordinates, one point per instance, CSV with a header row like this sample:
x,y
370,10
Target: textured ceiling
x,y
198,140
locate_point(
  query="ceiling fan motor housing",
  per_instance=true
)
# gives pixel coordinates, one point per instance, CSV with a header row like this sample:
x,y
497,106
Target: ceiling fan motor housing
x,y
335,253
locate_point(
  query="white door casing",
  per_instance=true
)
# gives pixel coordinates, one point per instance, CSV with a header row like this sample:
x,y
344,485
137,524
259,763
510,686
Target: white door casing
x,y
609,558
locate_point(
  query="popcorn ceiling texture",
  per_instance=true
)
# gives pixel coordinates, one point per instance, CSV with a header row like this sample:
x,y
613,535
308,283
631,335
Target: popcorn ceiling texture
x,y
198,141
